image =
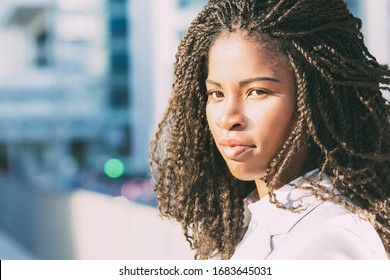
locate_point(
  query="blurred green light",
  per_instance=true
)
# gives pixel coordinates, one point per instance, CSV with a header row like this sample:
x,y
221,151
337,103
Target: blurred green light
x,y
114,168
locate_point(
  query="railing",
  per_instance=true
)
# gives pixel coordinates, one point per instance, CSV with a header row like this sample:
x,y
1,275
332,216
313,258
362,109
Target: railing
x,y
88,225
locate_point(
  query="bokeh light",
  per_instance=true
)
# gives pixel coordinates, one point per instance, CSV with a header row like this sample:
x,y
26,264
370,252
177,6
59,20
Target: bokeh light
x,y
114,168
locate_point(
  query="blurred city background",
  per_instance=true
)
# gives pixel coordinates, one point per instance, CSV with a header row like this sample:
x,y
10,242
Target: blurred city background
x,y
83,84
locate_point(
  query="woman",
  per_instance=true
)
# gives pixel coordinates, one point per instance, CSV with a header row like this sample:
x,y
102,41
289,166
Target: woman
x,y
276,140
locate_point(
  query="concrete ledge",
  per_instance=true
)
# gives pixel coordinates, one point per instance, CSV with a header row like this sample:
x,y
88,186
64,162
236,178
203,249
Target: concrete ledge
x,y
87,225
10,249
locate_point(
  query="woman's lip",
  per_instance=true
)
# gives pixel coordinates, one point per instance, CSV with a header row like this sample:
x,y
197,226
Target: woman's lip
x,y
233,148
234,152
234,142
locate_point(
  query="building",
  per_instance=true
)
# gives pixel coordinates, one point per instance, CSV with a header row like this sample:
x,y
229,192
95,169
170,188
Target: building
x,y
64,90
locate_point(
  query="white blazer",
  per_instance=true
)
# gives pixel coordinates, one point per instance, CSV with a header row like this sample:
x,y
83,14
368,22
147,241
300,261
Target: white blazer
x,y
323,230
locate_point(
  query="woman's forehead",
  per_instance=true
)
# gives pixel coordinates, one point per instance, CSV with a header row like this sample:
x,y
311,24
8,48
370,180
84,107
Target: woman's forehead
x,y
242,43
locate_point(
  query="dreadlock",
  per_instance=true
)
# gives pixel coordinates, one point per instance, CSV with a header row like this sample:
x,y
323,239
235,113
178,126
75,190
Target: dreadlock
x,y
342,116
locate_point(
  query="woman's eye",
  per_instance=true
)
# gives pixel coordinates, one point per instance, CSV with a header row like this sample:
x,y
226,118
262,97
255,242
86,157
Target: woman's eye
x,y
258,92
215,94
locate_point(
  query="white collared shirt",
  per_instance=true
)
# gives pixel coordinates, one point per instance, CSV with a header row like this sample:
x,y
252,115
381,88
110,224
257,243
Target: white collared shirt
x,y
321,230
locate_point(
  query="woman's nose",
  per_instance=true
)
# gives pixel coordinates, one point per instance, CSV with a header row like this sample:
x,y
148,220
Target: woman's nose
x,y
232,117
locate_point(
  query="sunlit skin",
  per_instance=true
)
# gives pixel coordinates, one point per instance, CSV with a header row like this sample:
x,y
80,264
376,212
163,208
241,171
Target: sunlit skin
x,y
251,105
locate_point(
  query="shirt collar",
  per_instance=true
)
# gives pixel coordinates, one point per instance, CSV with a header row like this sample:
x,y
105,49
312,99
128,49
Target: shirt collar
x,y
279,220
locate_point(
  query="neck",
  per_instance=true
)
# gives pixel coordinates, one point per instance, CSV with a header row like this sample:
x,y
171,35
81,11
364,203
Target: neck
x,y
293,171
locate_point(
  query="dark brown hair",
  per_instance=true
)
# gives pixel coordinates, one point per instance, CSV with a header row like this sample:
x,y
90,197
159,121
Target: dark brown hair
x,y
342,115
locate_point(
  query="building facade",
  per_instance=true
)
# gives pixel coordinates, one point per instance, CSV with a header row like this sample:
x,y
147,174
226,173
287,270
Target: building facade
x,y
64,94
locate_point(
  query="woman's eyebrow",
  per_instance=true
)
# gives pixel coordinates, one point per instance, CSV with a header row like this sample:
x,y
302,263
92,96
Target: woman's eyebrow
x,y
214,83
247,81
256,79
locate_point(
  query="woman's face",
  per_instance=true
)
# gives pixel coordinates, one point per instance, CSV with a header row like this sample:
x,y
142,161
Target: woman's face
x,y
251,103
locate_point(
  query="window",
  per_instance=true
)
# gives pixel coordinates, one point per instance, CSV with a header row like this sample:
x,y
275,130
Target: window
x,y
118,27
119,62
185,4
41,40
355,7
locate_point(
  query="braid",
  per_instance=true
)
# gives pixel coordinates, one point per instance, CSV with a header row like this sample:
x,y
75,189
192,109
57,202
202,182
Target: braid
x,y
341,116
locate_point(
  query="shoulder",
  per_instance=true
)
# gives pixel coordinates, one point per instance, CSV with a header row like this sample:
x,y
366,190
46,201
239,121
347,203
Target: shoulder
x,y
329,232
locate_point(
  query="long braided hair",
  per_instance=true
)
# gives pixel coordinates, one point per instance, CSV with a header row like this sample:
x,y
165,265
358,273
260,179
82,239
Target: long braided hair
x,y
341,114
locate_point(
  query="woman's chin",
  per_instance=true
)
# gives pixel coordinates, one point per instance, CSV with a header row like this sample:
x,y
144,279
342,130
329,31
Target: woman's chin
x,y
247,176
